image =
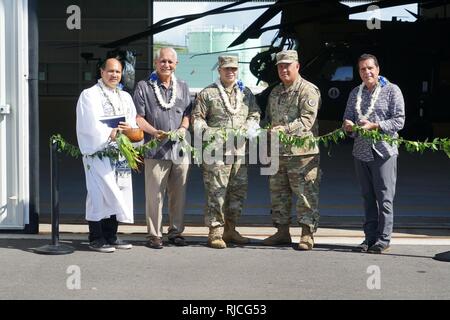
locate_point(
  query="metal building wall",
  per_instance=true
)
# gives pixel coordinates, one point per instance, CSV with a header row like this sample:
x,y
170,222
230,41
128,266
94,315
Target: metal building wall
x,y
14,133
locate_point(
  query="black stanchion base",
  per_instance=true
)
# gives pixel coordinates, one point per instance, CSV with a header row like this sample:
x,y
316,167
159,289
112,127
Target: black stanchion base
x,y
444,256
54,249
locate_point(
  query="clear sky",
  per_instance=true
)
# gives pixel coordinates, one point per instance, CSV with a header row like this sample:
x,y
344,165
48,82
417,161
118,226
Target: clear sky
x,y
239,19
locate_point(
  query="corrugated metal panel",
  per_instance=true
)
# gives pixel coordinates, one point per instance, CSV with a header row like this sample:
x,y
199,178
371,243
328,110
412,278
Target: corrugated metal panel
x,y
14,133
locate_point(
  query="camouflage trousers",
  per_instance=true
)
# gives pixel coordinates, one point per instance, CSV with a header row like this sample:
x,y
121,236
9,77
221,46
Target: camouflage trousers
x,y
226,190
300,176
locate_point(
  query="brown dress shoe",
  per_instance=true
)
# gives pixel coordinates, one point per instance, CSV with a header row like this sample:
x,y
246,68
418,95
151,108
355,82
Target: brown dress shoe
x,y
155,243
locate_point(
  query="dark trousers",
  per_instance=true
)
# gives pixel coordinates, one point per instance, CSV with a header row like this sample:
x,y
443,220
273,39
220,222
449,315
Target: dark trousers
x,y
377,180
105,229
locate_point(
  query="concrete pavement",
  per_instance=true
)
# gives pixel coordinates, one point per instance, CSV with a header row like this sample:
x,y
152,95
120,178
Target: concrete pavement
x,y
255,272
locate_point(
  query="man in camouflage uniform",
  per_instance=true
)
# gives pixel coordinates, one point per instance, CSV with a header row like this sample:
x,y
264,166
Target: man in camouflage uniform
x,y
292,108
224,104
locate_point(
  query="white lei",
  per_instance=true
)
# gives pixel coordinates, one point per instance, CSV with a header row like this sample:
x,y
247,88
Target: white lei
x,y
373,99
159,97
226,100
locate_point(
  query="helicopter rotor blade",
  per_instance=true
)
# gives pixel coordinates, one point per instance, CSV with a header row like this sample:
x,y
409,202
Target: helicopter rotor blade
x,y
167,20
413,14
223,51
253,31
256,32
256,28
262,20
159,28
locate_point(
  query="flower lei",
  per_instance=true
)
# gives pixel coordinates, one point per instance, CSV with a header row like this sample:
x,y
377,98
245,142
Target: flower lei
x,y
373,98
226,100
153,81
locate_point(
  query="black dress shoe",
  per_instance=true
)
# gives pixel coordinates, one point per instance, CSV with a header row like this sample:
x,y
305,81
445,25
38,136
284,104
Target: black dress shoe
x,y
363,247
155,243
179,241
378,248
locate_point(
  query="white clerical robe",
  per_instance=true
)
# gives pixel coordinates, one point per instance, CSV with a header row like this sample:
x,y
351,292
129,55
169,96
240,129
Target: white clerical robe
x,y
105,195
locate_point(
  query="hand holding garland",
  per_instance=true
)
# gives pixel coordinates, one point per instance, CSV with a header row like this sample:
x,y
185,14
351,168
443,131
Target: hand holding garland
x,y
437,144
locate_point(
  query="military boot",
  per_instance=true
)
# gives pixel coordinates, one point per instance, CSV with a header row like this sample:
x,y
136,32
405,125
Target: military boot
x,y
230,235
307,239
282,236
215,238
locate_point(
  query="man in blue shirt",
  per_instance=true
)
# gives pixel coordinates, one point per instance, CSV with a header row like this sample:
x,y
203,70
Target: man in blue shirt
x,y
376,104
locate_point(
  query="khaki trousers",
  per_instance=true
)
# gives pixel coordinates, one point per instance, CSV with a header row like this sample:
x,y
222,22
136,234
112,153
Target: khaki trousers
x,y
162,175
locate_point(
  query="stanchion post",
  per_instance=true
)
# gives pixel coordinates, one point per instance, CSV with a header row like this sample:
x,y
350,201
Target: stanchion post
x,y
443,256
54,247
54,183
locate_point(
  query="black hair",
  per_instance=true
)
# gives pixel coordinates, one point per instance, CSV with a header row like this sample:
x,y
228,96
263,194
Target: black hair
x,y
103,62
366,56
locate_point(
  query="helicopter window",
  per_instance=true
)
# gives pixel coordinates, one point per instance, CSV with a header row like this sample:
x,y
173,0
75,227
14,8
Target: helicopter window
x,y
344,73
334,70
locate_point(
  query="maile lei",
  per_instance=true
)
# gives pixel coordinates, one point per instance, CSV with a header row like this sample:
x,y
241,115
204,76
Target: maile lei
x,y
239,95
134,157
154,83
117,110
373,99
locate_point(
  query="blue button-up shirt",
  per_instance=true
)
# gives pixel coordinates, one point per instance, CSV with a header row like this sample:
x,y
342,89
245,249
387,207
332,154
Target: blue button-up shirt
x,y
389,113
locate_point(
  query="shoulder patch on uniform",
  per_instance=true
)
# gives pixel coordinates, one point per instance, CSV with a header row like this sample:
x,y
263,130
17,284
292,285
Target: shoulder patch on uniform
x,y
312,102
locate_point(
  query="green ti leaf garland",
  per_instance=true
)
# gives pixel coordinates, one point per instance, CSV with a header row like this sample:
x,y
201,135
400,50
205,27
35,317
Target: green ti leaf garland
x,y
134,155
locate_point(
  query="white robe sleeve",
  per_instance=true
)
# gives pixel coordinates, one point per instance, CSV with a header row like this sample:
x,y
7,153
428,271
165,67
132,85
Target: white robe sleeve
x,y
92,135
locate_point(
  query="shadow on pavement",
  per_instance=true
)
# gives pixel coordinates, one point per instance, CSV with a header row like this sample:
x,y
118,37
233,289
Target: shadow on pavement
x,y
353,249
28,245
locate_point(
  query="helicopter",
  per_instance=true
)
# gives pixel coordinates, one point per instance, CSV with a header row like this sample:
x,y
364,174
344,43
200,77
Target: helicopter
x,y
411,54
128,57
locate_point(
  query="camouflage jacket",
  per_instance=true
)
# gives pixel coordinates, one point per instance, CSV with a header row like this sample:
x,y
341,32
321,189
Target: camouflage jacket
x,y
210,113
296,109
210,108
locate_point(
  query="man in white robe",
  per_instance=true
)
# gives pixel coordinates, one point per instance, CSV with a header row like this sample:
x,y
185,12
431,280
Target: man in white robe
x,y
108,182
